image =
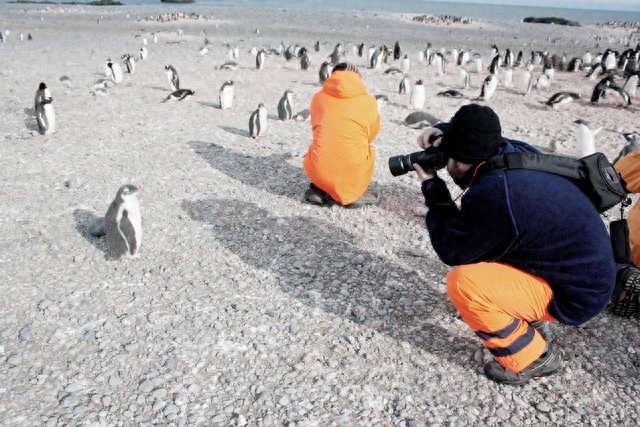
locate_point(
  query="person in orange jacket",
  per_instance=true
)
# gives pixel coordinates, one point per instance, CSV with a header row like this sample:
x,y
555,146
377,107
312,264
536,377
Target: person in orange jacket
x,y
340,160
627,293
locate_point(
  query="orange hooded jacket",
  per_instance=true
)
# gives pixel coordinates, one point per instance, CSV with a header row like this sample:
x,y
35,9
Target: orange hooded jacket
x,y
629,169
344,122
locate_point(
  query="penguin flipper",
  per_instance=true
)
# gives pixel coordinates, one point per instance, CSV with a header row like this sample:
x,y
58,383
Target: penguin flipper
x,y
128,232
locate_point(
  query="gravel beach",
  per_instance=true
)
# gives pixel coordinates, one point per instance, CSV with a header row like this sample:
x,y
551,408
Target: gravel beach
x,y
249,307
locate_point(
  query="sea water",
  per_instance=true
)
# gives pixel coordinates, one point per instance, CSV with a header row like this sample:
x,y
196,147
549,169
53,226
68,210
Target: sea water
x,y
477,11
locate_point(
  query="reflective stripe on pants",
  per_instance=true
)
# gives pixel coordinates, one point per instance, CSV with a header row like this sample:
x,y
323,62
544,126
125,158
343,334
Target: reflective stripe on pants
x,y
497,301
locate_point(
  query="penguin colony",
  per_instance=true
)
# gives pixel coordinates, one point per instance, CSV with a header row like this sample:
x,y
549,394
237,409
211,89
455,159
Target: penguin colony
x,y
615,75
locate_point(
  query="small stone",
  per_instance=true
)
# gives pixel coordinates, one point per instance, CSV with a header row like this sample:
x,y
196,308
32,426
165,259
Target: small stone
x,y
241,420
14,360
146,386
180,399
357,260
543,406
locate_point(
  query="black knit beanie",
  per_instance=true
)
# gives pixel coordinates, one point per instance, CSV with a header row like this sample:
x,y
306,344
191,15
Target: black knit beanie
x,y
474,134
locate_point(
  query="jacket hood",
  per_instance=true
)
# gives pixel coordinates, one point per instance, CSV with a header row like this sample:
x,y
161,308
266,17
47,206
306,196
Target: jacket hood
x,y
344,84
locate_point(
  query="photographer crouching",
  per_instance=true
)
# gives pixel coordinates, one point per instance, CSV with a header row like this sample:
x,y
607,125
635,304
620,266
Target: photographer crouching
x,y
529,247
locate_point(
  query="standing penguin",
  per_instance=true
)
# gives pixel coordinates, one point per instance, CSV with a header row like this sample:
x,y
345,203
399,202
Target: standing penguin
x,y
129,62
397,51
631,85
405,64
123,223
260,59
258,122
437,61
305,62
172,76
526,82
324,72
116,71
601,88
376,60
418,96
488,87
285,109
45,116
507,78
225,95
403,88
336,55
144,53
585,144
633,144
463,79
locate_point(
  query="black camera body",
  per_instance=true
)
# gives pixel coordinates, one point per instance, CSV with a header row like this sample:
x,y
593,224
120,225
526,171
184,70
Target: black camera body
x,y
430,158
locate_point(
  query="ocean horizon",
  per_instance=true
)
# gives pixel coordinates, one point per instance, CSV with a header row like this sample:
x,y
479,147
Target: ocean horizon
x,y
476,11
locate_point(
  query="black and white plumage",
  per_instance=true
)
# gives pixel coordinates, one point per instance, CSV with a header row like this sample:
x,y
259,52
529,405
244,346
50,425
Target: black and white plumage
x,y
376,60
437,62
226,95
633,144
418,96
494,67
631,85
526,82
403,87
405,64
600,89
464,81
451,93
420,120
144,53
507,77
180,95
585,138
45,115
115,71
488,87
229,65
129,62
172,76
260,59
393,71
305,62
123,223
337,54
258,122
285,106
324,71
561,98
542,82
397,51
624,96
381,100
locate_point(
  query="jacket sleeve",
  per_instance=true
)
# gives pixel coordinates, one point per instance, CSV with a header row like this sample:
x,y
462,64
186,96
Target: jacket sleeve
x,y
375,125
481,229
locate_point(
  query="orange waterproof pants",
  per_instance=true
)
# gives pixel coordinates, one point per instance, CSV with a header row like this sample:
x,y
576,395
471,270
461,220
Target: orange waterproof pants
x,y
629,169
497,301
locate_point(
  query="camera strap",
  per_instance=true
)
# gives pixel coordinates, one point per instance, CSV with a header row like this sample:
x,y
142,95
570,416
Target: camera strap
x,y
593,174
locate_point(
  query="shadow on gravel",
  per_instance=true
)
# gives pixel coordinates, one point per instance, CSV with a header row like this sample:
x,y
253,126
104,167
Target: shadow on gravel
x,y
272,174
316,263
82,217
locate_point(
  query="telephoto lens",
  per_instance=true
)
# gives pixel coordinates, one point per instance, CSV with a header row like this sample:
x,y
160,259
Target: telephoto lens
x,y
430,158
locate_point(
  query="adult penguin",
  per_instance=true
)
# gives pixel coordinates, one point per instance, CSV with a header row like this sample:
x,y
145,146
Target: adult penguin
x,y
45,115
285,109
123,223
258,122
226,95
